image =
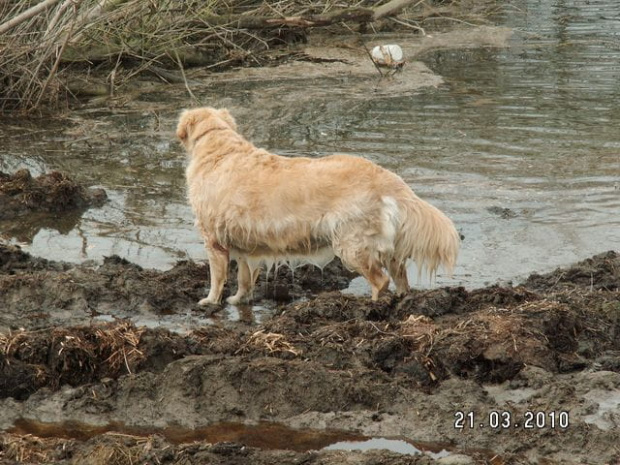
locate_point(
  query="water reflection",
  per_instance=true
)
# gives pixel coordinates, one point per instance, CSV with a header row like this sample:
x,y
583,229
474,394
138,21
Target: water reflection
x,y
393,445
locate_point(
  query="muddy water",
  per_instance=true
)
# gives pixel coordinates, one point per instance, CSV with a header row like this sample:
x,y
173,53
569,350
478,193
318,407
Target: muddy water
x,y
264,435
519,145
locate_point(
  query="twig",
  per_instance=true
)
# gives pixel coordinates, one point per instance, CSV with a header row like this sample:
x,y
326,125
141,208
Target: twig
x,y
372,60
54,21
449,18
189,91
126,362
408,24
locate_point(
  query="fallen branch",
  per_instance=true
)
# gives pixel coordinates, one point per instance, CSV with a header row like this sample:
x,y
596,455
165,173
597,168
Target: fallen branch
x,y
26,15
361,15
392,8
354,14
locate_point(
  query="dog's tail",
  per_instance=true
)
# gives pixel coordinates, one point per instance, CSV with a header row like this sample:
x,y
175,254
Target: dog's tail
x,y
427,236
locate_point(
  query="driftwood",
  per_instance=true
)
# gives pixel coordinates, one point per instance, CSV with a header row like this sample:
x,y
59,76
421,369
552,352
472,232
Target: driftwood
x,y
354,14
26,15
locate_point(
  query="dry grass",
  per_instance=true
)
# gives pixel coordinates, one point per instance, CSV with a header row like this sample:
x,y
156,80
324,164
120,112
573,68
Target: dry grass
x,y
30,449
270,343
107,35
50,56
107,449
115,449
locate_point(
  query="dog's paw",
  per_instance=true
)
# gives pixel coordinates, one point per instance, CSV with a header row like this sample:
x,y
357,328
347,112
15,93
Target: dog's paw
x,y
208,301
237,299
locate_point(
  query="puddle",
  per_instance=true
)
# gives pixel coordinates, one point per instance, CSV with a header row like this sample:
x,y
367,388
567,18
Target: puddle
x,y
180,324
266,436
263,436
399,446
188,322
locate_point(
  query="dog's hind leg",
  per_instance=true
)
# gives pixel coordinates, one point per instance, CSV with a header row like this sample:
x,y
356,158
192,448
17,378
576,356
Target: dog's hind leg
x,y
245,281
379,282
360,261
218,267
398,272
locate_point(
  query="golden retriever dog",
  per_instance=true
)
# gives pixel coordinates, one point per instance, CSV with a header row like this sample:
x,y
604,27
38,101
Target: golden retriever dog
x,y
259,208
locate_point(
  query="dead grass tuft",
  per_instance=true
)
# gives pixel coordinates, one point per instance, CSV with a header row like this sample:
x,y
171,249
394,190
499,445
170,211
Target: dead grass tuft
x,y
31,449
270,343
115,449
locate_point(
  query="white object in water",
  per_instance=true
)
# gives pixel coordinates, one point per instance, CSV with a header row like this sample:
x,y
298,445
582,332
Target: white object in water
x,y
388,55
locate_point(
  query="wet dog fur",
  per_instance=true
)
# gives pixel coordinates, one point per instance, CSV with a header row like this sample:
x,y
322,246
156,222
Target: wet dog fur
x,y
259,208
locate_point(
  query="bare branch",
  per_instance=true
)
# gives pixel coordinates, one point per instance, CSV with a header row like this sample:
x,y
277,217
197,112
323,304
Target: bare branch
x,y
26,15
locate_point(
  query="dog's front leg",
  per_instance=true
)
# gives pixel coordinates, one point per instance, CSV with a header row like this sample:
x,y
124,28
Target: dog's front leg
x,y
244,283
218,267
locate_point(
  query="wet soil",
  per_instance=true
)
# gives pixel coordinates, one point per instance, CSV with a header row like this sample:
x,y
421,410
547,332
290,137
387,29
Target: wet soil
x,y
36,293
324,365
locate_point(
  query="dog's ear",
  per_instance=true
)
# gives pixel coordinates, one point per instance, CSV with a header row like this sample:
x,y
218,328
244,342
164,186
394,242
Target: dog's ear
x,y
186,121
227,117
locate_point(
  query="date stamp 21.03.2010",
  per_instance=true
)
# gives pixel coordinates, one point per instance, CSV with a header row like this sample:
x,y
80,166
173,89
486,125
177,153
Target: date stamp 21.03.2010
x,y
504,419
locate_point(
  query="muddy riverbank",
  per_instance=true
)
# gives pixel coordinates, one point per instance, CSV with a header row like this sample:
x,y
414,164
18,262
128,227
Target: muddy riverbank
x,y
543,357
105,358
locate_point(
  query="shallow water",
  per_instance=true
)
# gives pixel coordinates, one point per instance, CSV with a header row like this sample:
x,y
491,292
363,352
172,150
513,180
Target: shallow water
x,y
520,147
399,446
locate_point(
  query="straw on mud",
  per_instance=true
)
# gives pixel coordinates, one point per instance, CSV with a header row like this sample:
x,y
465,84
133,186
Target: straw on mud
x,y
123,450
30,449
10,342
121,342
421,330
272,342
106,350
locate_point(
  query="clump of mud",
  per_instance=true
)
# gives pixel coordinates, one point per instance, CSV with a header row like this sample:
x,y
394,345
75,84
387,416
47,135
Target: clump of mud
x,y
487,335
54,192
599,273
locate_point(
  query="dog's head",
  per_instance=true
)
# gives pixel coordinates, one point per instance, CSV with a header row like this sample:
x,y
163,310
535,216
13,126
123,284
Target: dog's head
x,y
195,123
